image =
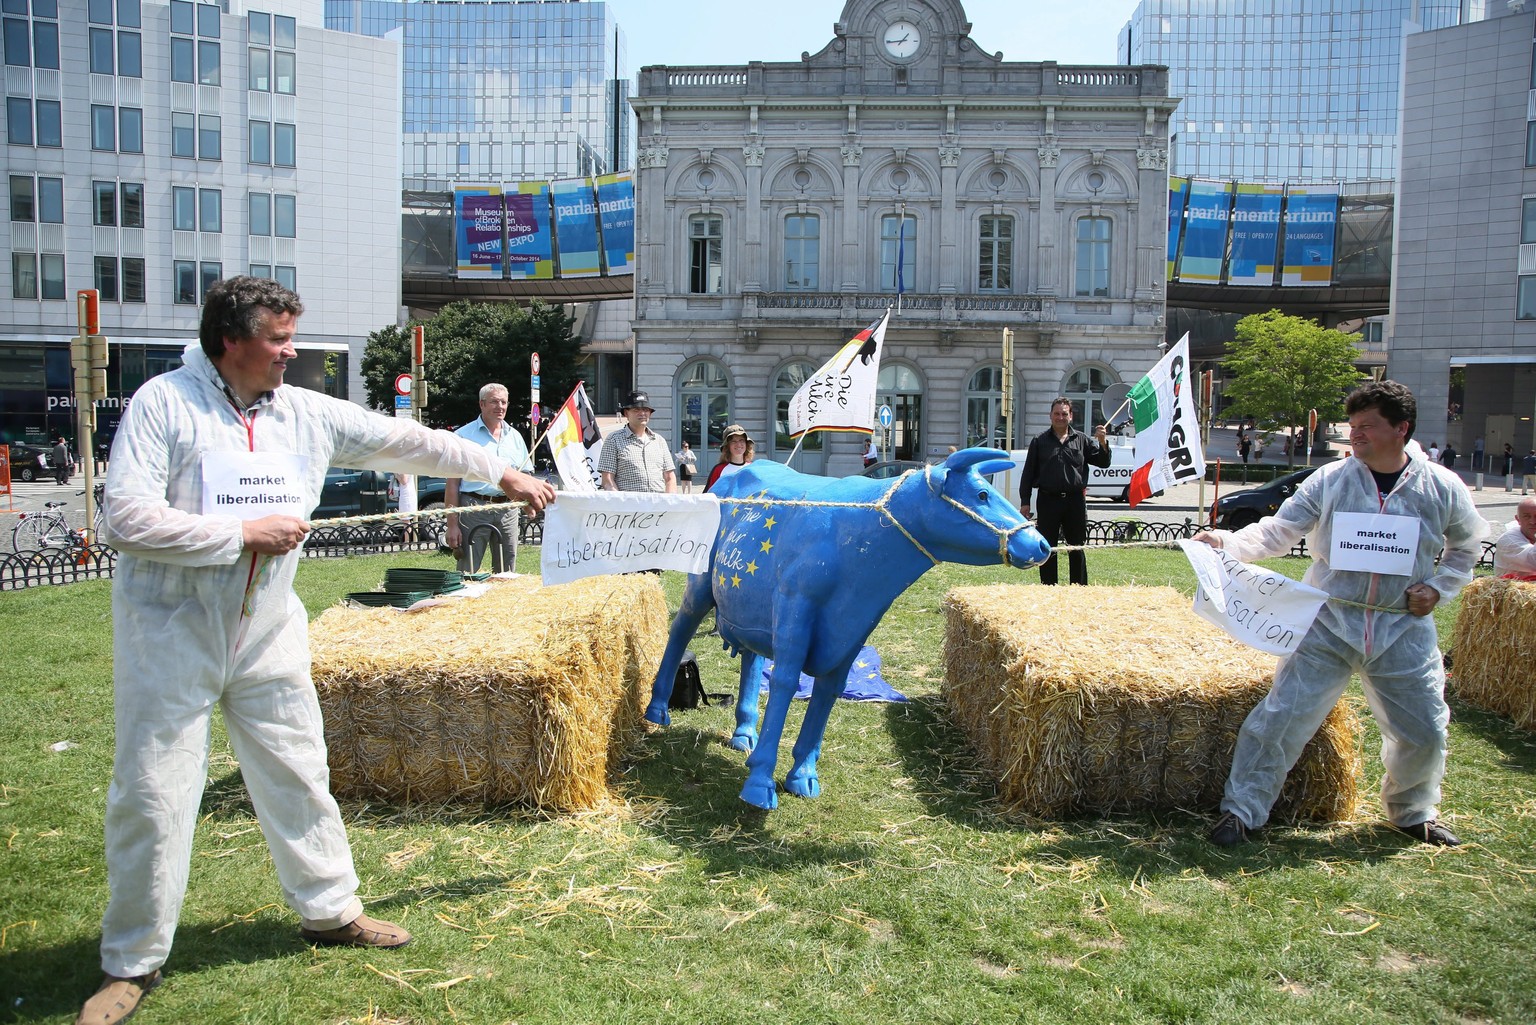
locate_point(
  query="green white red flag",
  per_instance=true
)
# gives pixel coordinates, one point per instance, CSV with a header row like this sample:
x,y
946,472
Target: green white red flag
x,y
1168,448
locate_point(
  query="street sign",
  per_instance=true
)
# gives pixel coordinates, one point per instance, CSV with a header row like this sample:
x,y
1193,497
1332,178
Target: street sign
x,y
403,387
886,418
403,401
535,367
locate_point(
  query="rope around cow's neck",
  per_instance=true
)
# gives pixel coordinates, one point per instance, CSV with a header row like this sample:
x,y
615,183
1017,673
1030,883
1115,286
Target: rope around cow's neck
x,y
879,506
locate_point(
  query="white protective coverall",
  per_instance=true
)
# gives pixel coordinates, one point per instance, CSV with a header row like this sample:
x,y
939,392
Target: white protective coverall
x,y
197,619
1395,653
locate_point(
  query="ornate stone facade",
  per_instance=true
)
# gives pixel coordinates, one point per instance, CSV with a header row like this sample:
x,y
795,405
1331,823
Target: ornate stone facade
x,y
1017,195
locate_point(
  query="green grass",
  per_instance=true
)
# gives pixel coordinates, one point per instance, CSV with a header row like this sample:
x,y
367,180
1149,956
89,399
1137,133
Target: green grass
x,y
901,895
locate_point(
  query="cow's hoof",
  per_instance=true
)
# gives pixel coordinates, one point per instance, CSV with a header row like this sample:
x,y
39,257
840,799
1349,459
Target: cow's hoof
x,y
743,741
759,795
803,784
658,714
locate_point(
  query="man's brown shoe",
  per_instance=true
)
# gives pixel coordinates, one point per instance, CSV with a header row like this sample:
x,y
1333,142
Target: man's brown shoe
x,y
117,999
362,931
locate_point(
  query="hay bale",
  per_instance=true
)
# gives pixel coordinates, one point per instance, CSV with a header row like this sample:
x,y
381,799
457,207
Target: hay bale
x,y
526,695
1101,699
1494,664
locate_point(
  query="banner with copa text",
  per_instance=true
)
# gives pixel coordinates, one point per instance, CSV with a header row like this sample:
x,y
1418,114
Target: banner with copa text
x,y
1311,220
1205,232
616,213
1255,234
576,227
478,214
530,236
1178,193
1168,450
625,532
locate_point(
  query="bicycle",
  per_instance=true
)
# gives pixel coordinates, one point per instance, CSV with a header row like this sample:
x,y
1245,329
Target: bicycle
x,y
50,530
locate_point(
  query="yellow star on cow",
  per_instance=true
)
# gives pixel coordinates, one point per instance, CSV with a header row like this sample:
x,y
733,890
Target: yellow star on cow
x,y
735,580
767,546
752,568
735,508
769,522
722,580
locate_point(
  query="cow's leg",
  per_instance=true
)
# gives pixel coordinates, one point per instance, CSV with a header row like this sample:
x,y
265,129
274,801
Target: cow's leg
x,y
802,780
745,737
697,601
759,789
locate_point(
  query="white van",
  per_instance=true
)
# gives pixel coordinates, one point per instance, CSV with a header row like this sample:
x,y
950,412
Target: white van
x,y
1114,482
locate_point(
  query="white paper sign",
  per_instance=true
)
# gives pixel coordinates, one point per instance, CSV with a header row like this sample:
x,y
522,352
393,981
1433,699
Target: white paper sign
x,y
250,485
1259,607
1373,543
624,532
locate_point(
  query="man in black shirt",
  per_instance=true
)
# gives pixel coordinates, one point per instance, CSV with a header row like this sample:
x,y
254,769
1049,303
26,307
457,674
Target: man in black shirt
x,y
1057,464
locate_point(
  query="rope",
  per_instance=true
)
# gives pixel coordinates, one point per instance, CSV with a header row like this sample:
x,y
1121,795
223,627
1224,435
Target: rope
x,y
879,506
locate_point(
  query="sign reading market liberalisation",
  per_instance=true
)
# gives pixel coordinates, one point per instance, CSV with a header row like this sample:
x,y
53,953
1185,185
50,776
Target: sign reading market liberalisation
x,y
577,227
1284,231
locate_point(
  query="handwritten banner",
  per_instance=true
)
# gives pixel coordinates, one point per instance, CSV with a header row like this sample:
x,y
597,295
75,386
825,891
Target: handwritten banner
x,y
588,535
1259,607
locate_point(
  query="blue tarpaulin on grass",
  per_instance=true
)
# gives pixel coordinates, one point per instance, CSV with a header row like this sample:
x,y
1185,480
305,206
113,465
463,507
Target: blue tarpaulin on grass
x,y
864,680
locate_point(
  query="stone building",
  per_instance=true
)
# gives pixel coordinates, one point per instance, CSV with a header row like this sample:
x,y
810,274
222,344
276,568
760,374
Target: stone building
x,y
780,205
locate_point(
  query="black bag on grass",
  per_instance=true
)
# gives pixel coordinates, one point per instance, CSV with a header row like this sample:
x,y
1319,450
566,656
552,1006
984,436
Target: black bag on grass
x,y
688,689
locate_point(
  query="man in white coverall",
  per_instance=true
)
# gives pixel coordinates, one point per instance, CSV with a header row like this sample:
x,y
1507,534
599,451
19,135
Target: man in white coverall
x,y
215,468
1375,525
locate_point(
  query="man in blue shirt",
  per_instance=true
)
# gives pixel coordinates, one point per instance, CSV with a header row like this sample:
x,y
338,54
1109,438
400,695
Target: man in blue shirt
x,y
489,430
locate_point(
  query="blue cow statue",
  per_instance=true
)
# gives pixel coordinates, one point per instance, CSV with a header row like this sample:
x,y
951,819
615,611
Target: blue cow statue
x,y
803,569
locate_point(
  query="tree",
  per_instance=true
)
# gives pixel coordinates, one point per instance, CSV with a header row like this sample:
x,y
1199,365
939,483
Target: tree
x,y
471,344
1281,367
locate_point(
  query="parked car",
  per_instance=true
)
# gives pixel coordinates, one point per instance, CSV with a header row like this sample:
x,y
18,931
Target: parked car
x,y
30,462
1240,508
356,493
891,468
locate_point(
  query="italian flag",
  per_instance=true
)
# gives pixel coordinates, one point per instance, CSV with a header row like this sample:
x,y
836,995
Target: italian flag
x,y
1168,448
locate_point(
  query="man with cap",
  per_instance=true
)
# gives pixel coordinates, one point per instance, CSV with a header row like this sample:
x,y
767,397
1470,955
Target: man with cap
x,y
634,457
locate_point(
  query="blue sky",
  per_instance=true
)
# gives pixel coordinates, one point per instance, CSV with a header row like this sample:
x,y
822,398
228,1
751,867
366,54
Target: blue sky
x,y
734,32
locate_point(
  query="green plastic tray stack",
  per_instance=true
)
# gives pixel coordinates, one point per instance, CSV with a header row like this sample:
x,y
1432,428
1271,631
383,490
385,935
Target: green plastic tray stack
x,y
404,587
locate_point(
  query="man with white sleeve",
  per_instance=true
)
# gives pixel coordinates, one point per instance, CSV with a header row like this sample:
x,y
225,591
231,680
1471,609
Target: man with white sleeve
x,y
1515,551
1376,524
215,468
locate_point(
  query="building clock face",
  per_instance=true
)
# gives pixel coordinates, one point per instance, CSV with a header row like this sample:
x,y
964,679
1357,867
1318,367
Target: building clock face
x,y
902,39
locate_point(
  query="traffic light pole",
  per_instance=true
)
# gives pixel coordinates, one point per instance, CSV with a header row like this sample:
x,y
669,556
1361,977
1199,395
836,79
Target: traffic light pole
x,y
88,352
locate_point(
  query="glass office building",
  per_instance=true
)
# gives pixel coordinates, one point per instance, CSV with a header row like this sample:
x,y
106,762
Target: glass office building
x,y
503,91
1301,90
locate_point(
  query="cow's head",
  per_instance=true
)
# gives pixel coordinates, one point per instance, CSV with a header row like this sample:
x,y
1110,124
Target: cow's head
x,y
969,521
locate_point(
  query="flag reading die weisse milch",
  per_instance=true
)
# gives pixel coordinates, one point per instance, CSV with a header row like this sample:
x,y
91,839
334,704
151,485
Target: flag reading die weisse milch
x,y
840,396
574,441
1168,448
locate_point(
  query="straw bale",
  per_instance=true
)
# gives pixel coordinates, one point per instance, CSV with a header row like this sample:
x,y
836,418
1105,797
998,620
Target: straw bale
x,y
1100,699
526,695
1494,664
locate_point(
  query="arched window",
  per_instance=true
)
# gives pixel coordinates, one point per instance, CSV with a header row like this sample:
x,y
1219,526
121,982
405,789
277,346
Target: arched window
x,y
1085,388
704,402
900,388
812,456
984,409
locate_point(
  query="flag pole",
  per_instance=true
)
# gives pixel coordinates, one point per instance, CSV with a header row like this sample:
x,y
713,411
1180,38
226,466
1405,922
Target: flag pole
x,y
795,451
901,250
